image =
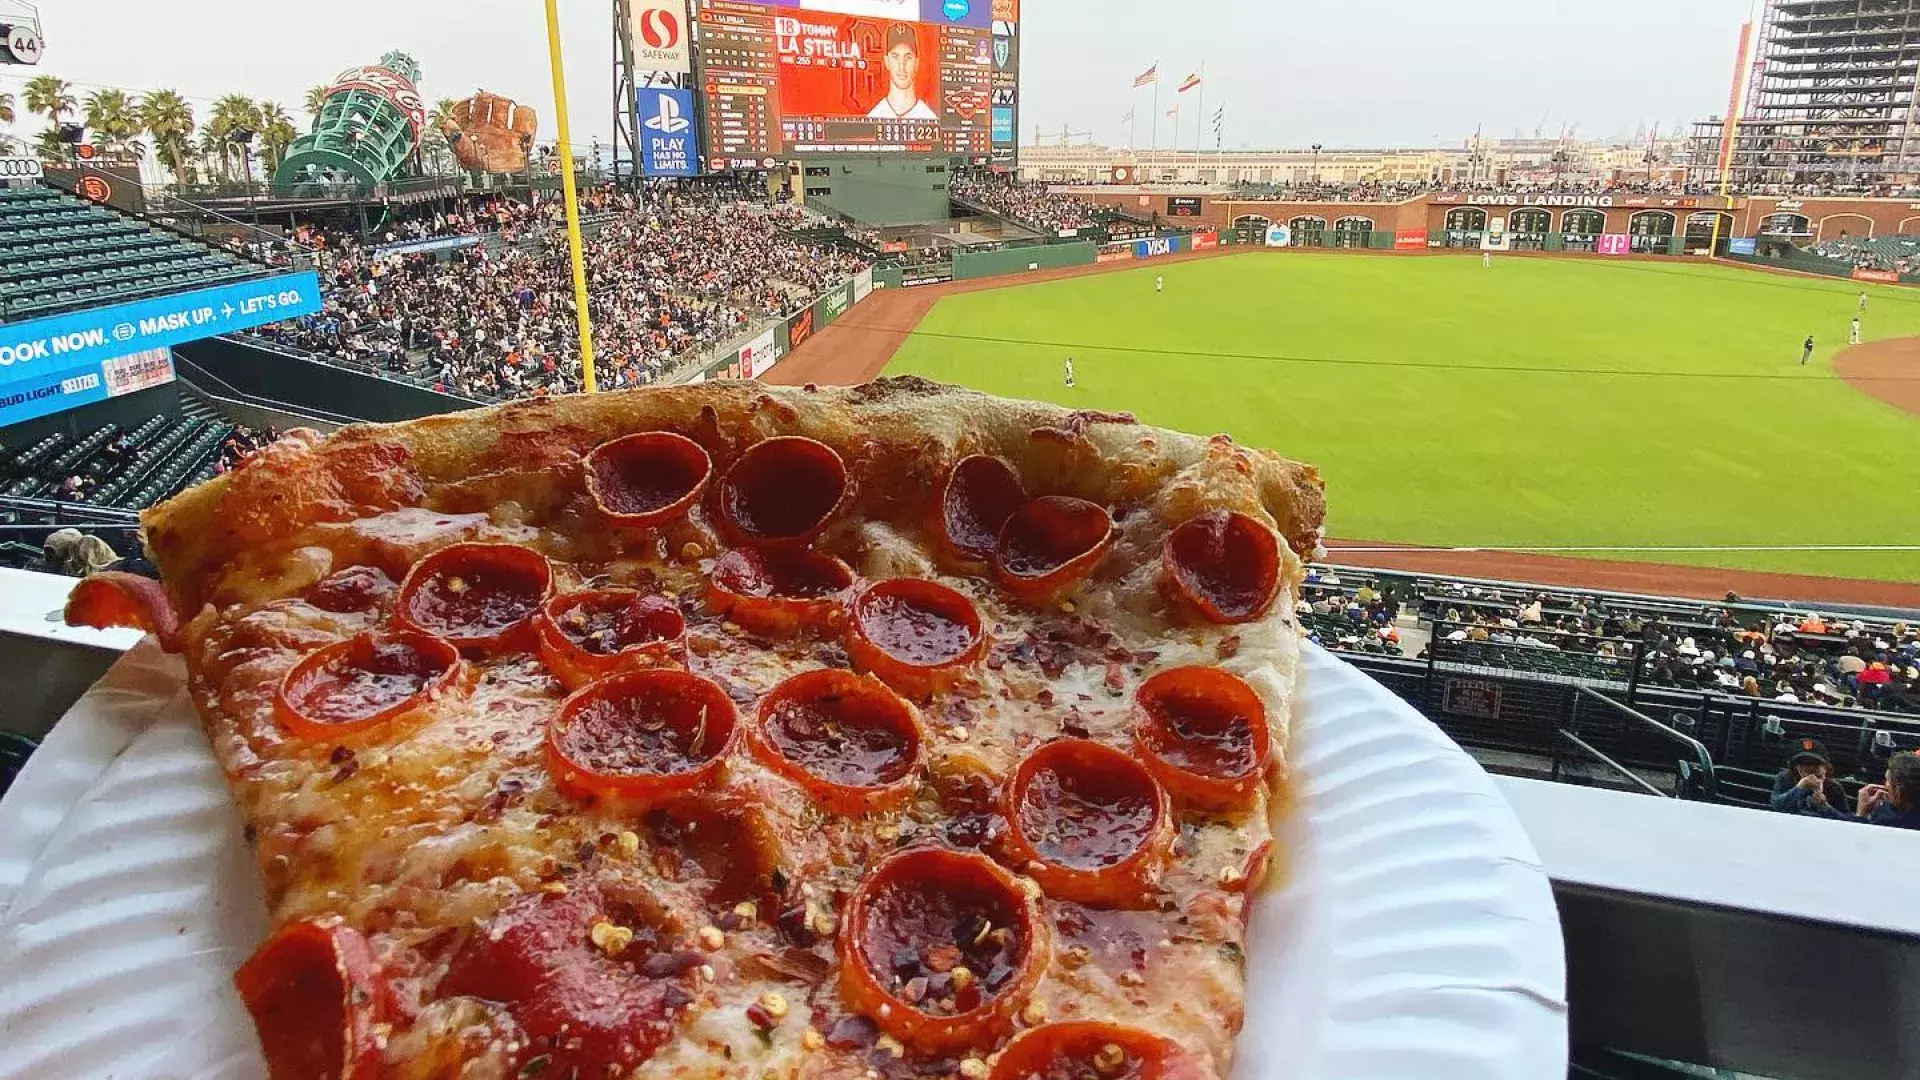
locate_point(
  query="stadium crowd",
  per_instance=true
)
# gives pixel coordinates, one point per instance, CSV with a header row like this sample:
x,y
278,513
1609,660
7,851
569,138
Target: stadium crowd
x,y
1032,205
671,276
1898,253
1787,657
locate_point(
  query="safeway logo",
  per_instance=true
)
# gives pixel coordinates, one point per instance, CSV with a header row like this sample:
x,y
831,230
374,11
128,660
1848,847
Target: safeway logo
x,y
659,29
668,120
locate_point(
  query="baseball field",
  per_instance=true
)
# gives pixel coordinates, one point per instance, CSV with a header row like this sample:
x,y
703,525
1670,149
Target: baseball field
x,y
1643,411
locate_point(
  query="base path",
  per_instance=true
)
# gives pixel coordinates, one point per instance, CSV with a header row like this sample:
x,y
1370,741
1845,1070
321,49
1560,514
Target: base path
x,y
1887,370
857,348
1653,579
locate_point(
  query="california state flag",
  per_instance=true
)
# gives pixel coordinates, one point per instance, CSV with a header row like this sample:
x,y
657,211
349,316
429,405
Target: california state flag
x,y
1190,82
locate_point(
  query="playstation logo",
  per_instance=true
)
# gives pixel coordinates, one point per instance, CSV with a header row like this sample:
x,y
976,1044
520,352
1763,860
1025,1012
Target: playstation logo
x,y
668,120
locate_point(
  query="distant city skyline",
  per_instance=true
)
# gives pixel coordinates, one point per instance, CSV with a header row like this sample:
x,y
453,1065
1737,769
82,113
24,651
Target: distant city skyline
x,y
1407,73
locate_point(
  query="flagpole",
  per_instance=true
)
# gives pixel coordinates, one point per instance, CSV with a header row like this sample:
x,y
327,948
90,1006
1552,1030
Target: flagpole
x,y
1153,163
1198,129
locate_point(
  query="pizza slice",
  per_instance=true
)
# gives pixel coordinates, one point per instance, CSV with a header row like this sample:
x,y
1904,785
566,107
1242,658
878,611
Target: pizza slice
x,y
739,731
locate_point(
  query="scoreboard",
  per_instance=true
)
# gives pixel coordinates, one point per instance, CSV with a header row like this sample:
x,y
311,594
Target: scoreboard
x,y
780,78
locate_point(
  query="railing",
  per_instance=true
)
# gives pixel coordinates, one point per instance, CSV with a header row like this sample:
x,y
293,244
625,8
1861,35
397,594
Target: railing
x,y
1694,773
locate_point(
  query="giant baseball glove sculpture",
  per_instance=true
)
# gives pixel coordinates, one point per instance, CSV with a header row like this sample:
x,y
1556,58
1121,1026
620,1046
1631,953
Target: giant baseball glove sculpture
x,y
491,134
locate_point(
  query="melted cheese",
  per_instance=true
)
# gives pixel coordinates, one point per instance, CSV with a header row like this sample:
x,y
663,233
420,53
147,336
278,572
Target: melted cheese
x,y
417,833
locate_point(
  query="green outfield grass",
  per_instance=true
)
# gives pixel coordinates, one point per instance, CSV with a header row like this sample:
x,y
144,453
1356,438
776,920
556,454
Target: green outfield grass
x,y
1541,402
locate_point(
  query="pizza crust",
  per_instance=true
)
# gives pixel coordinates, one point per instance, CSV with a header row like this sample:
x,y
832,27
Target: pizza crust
x,y
432,834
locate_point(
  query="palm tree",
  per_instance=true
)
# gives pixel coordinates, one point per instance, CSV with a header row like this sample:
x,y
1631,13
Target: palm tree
x,y
232,113
276,133
169,119
212,149
51,97
6,109
111,115
48,147
316,100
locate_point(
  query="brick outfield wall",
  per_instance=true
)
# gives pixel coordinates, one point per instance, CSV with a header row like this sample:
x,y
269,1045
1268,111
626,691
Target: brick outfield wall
x,y
1826,218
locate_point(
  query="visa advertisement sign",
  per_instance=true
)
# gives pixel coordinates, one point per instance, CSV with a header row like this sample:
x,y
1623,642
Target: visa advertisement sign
x,y
79,343
1147,249
666,132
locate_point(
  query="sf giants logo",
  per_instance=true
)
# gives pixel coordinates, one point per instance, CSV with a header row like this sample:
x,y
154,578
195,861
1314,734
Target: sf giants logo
x,y
660,29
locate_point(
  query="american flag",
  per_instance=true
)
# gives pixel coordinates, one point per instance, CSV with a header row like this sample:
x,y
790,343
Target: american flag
x,y
1189,83
1151,75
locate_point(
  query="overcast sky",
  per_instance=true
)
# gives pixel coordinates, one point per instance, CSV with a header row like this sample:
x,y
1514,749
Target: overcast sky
x,y
1290,72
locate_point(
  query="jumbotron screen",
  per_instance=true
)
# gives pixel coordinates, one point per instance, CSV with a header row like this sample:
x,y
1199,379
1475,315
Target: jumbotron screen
x,y
787,77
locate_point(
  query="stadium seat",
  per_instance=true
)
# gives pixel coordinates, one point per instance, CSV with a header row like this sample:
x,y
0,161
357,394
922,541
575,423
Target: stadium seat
x,y
58,253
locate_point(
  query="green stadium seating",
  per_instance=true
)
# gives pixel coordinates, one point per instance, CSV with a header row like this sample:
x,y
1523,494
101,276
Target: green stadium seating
x,y
58,253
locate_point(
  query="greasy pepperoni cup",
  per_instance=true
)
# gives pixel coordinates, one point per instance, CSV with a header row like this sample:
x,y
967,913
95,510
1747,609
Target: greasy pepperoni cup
x,y
113,598
976,500
480,597
641,736
354,685
1079,1049
781,590
1087,822
1050,545
940,948
316,995
591,634
1224,566
583,1009
852,743
918,636
647,480
1203,733
784,488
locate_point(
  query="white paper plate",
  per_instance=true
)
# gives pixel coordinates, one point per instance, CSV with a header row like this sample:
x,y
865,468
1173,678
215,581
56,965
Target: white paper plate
x,y
1415,938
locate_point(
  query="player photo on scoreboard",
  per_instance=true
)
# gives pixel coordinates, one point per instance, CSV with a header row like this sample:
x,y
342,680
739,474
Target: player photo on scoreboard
x,y
838,67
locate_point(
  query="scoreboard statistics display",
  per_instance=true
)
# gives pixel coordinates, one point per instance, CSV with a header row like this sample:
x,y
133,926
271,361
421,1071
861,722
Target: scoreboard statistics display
x,y
779,78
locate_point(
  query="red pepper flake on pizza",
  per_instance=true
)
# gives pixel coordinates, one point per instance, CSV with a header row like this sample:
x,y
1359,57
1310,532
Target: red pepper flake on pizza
x,y
749,733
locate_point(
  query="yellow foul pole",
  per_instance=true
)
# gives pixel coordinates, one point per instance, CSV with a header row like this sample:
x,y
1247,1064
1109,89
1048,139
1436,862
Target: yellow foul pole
x,y
573,200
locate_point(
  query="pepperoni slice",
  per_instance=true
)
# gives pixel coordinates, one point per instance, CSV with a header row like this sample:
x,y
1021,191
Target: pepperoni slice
x,y
1050,545
780,590
783,488
918,636
354,589
641,736
979,495
941,948
591,634
113,599
1223,565
723,844
480,597
1088,823
316,994
362,682
584,1012
649,479
1203,732
851,742
1090,1050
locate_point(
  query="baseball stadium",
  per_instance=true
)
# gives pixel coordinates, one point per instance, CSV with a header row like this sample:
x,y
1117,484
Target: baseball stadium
x,y
1619,436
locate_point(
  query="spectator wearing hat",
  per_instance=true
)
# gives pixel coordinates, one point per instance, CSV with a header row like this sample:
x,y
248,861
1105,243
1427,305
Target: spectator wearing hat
x,y
1895,803
1806,785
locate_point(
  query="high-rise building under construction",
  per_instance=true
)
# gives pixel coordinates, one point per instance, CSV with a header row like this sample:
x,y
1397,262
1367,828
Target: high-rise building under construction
x,y
1829,101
